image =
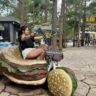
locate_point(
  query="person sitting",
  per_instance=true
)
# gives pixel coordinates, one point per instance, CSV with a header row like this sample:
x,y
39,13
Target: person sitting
x,y
27,47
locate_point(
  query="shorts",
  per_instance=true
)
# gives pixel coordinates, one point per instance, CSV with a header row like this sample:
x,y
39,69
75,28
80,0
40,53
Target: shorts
x,y
26,51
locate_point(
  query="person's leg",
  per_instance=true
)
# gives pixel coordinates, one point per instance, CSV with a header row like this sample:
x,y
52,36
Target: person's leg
x,y
44,46
39,52
42,55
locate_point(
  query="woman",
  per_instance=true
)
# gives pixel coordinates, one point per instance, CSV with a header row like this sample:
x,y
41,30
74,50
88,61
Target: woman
x,y
27,44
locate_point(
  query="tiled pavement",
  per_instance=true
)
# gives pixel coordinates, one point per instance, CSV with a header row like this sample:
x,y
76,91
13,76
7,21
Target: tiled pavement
x,y
82,60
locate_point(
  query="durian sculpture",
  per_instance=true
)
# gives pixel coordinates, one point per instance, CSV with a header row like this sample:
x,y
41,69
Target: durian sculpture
x,y
62,82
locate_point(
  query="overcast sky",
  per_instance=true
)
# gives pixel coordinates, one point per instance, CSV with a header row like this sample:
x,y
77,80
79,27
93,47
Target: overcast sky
x,y
59,4
60,1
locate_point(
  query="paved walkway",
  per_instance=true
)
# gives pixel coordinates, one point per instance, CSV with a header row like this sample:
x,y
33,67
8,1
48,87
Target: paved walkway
x,y
82,60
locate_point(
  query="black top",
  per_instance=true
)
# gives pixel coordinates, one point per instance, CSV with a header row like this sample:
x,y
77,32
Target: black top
x,y
29,43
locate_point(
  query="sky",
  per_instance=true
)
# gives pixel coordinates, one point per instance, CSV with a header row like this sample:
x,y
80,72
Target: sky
x,y
60,1
59,5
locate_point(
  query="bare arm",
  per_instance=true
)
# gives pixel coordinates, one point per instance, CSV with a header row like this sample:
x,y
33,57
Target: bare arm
x,y
38,37
25,37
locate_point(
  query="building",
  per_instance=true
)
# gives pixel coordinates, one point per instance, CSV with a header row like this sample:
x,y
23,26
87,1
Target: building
x,y
9,27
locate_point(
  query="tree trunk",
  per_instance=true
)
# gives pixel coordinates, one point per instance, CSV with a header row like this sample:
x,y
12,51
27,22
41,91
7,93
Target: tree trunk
x,y
76,31
54,23
33,17
62,24
83,23
21,12
76,28
79,23
46,7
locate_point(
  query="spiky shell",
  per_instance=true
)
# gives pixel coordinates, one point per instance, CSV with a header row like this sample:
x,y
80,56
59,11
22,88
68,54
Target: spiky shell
x,y
59,83
71,73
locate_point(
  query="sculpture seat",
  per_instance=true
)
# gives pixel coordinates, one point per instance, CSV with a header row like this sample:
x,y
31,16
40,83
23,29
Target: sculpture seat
x,y
18,70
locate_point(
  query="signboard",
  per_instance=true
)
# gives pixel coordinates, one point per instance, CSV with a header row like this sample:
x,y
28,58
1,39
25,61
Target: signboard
x,y
91,20
91,24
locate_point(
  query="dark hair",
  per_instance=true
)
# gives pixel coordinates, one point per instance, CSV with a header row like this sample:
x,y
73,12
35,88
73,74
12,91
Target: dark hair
x,y
22,28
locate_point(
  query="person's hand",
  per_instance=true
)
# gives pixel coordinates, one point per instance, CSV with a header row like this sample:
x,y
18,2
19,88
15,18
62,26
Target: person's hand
x,y
25,37
42,37
32,34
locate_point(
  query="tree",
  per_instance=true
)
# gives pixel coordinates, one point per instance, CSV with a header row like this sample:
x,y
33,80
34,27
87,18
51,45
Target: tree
x,y
7,6
62,24
39,11
46,8
83,23
77,20
54,23
91,9
21,12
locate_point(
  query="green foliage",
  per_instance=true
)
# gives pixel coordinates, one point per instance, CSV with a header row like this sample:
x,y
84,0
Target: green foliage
x,y
92,9
7,6
35,11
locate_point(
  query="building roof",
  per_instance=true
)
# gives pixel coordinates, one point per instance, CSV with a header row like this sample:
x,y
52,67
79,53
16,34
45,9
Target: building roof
x,y
9,19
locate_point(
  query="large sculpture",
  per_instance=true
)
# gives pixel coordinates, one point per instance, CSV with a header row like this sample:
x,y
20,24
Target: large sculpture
x,y
61,81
